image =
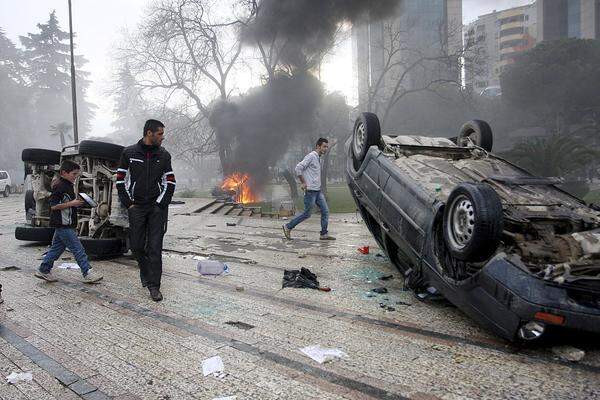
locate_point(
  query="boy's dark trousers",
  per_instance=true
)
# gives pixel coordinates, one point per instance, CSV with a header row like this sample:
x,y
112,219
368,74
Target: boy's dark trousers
x,y
147,227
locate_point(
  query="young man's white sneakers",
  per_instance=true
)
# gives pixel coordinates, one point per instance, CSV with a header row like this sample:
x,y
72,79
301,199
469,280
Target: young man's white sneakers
x,y
92,277
49,277
287,232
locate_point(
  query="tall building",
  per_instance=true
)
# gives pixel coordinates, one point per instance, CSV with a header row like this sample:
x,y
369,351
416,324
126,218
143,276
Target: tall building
x,y
419,28
494,40
568,18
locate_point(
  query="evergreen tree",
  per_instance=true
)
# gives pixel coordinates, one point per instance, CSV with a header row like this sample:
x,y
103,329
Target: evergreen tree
x,y
130,108
48,71
15,105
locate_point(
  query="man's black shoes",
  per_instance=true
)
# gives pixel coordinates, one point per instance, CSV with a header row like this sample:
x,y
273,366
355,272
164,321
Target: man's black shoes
x,y
155,294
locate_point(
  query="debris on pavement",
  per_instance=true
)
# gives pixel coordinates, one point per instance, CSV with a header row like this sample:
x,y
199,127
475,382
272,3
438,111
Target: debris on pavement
x,y
302,278
212,366
402,303
10,268
568,353
386,277
302,254
68,266
212,267
380,290
15,377
241,325
322,354
231,224
239,288
364,250
211,226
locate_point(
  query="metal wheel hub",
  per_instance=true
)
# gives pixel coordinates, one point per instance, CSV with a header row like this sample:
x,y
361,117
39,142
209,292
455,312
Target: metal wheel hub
x,y
462,222
360,137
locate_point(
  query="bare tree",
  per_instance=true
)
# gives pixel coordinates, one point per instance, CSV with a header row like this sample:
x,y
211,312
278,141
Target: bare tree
x,y
62,130
182,57
437,67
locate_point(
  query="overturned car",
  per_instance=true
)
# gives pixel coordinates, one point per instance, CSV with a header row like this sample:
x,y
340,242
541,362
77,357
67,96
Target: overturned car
x,y
512,250
102,222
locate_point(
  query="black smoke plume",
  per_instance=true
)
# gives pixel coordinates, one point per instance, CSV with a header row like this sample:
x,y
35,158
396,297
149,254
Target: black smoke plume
x,y
254,131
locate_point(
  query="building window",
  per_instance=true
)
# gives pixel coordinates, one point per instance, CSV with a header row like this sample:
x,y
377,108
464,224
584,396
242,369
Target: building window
x,y
513,43
574,18
515,18
512,31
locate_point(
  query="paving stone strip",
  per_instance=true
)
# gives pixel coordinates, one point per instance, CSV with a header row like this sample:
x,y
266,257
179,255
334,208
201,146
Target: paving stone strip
x,y
66,377
488,344
328,376
319,373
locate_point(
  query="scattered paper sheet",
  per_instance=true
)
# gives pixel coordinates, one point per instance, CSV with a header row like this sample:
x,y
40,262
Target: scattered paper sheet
x,y
321,354
68,266
213,365
15,377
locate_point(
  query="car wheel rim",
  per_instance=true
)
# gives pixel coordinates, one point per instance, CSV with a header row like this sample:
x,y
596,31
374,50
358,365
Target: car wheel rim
x,y
462,222
475,138
359,138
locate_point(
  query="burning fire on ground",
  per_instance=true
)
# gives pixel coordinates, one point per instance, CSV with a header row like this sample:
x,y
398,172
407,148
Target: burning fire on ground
x,y
241,184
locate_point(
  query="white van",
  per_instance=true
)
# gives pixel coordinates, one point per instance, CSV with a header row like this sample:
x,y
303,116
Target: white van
x,y
5,183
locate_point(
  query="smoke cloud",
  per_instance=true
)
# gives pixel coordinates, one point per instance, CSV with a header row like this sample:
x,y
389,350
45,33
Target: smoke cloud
x,y
306,28
254,131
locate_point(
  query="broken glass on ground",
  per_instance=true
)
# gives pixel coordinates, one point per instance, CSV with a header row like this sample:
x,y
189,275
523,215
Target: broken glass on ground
x,y
322,354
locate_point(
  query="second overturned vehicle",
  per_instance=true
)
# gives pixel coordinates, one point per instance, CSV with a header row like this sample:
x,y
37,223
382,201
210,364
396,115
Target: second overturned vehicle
x,y
512,250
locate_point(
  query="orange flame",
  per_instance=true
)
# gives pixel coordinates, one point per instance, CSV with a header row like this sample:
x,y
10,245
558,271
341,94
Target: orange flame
x,y
241,184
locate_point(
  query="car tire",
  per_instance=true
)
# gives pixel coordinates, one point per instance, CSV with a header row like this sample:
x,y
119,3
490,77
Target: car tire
x,y
41,156
6,192
29,200
472,222
366,133
34,234
479,132
108,151
103,248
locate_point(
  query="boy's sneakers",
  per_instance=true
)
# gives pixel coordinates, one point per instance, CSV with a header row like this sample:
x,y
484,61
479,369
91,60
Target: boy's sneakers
x,y
326,237
48,277
287,232
92,277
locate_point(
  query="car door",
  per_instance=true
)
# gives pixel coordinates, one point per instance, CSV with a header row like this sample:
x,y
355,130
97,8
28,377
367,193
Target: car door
x,y
405,208
370,182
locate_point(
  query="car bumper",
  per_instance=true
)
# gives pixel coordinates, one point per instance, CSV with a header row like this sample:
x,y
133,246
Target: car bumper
x,y
503,297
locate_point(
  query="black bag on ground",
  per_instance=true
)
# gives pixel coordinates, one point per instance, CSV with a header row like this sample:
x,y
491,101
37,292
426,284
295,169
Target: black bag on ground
x,y
300,279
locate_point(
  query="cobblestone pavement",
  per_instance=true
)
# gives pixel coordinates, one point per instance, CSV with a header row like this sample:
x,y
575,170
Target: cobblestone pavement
x,y
111,341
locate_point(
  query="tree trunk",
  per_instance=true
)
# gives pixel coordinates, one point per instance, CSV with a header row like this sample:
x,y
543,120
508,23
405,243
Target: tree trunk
x,y
289,177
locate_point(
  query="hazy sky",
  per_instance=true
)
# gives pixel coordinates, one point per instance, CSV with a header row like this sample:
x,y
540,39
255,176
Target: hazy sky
x,y
98,25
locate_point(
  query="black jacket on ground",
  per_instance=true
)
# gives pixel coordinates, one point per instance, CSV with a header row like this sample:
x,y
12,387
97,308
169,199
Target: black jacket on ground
x,y
62,192
145,176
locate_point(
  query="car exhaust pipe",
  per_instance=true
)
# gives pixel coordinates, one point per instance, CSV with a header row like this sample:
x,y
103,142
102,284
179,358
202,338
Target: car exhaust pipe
x,y
532,330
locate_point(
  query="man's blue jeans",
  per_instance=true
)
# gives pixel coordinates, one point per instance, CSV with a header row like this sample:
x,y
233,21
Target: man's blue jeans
x,y
65,238
312,197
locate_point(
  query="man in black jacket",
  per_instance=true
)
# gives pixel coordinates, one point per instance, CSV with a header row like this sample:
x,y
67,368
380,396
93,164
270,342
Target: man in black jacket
x,y
146,182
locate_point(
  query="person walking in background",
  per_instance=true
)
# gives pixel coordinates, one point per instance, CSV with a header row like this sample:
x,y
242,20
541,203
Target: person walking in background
x,y
63,218
146,183
308,172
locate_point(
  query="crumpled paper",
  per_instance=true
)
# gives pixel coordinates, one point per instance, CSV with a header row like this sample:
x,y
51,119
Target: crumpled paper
x,y
322,354
15,377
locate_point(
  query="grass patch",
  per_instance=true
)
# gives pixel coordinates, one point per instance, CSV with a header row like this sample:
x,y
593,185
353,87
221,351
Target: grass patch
x,y
339,200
